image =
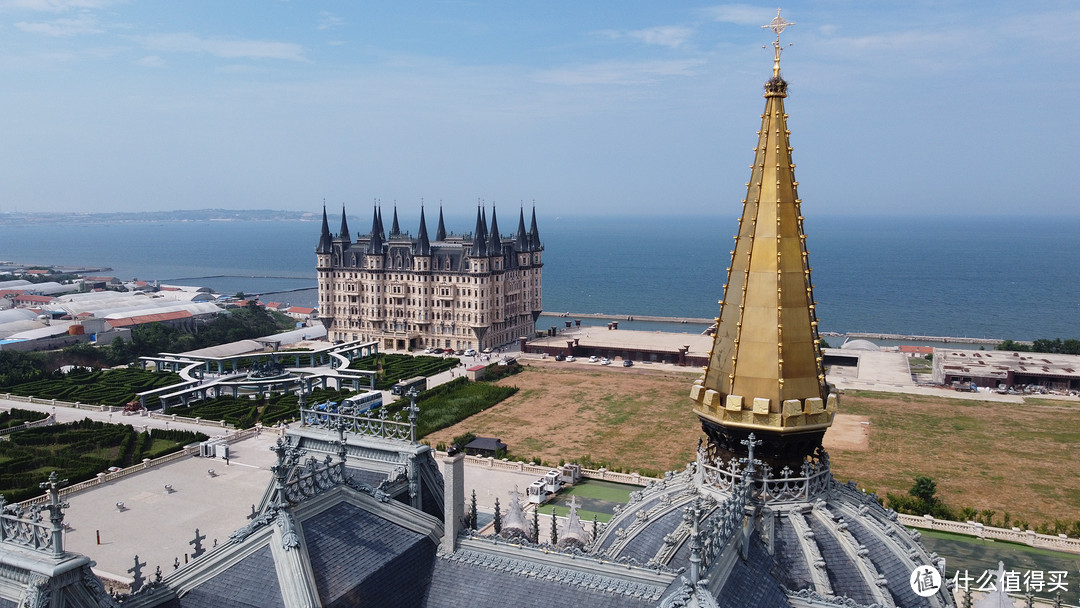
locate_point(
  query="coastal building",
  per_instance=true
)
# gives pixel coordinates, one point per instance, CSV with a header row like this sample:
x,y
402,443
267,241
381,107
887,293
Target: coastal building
x,y
478,290
370,517
996,368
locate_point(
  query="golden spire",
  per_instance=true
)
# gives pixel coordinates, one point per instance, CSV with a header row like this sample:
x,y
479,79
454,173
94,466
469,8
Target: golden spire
x,y
765,370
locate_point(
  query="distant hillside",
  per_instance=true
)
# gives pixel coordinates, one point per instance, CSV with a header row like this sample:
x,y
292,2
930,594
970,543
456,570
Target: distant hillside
x,y
186,215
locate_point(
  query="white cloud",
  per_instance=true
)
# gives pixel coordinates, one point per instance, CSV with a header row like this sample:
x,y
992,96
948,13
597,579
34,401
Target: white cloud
x,y
226,48
619,73
151,61
673,36
83,24
328,21
55,6
739,14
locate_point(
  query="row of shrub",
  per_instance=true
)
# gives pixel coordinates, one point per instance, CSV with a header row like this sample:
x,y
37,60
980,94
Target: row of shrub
x,y
450,403
392,368
15,417
78,451
922,499
243,412
115,387
496,372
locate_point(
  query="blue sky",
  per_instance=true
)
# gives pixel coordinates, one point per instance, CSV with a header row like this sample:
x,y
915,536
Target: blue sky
x,y
583,107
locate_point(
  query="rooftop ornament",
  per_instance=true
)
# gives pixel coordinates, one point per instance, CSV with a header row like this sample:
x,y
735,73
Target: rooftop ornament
x,y
777,25
24,527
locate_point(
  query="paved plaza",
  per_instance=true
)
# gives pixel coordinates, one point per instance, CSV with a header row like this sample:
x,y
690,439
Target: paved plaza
x,y
215,504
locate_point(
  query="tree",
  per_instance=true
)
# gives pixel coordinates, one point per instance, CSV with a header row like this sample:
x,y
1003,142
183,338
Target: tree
x,y
472,512
536,526
554,531
498,517
924,489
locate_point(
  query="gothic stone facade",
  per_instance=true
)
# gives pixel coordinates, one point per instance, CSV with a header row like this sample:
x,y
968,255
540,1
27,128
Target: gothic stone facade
x,y
479,290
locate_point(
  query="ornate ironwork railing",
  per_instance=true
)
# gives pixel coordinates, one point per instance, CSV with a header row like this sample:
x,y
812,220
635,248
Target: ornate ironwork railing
x,y
312,477
28,527
381,425
814,478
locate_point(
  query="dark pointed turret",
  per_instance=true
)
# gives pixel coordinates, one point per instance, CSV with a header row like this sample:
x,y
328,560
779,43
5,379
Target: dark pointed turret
x,y
395,228
423,246
440,232
375,244
479,241
521,239
494,241
534,234
343,234
324,237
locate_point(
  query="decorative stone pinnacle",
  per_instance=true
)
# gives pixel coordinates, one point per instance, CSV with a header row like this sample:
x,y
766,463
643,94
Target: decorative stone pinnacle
x,y
750,462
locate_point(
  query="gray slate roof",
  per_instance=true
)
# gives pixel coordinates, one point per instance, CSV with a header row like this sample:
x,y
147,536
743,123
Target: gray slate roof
x,y
250,583
792,569
456,584
751,583
844,576
360,559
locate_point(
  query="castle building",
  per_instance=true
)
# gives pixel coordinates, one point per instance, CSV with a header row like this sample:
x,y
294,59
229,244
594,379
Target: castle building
x,y
478,290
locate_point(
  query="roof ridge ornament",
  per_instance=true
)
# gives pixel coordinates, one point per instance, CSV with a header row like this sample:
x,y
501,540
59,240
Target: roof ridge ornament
x,y
777,25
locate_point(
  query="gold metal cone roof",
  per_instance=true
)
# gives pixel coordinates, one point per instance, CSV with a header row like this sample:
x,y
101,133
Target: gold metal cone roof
x,y
766,345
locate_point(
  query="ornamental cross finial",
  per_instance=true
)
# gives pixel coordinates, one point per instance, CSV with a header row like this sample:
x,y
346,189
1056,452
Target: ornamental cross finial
x,y
751,462
777,25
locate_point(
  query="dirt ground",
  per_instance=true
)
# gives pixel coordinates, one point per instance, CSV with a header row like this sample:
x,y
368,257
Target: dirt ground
x,y
627,418
983,455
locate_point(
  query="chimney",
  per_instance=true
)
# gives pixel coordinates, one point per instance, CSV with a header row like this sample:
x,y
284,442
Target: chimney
x,y
453,470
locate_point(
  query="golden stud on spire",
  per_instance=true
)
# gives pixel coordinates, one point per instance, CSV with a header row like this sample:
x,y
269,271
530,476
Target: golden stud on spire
x,y
777,25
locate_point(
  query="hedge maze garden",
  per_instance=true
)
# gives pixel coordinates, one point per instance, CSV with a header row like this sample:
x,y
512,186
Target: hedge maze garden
x,y
243,412
114,387
393,368
78,451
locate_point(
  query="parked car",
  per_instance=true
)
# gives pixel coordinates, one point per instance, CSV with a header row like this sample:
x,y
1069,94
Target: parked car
x,y
593,359
605,361
627,363
470,352
560,358
569,357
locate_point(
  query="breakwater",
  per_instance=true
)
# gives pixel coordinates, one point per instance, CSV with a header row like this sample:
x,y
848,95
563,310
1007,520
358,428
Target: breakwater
x,y
608,317
914,338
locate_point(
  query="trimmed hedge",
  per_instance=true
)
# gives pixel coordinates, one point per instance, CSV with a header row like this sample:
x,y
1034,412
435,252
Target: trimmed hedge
x,y
115,387
243,412
450,403
15,417
397,367
77,451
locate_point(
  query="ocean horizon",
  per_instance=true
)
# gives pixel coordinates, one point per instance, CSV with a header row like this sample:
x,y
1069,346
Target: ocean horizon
x,y
985,277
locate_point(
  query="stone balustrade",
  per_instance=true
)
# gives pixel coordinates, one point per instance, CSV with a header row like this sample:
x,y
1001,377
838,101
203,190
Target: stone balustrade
x,y
978,530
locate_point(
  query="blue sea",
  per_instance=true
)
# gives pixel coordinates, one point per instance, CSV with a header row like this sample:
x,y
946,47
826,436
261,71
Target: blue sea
x,y
984,277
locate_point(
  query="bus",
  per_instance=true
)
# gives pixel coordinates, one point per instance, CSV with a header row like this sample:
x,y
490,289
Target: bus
x,y
402,387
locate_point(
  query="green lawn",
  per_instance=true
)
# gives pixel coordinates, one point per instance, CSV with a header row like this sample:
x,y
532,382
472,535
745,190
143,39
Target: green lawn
x,y
974,556
594,497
